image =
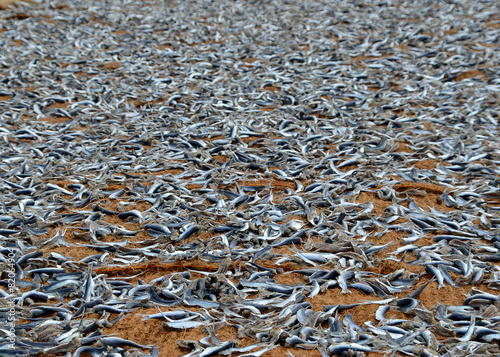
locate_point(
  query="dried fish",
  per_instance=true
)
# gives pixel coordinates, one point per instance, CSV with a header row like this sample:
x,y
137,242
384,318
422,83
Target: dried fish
x,y
231,149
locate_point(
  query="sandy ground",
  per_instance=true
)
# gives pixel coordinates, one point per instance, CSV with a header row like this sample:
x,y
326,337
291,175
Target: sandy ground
x,y
5,3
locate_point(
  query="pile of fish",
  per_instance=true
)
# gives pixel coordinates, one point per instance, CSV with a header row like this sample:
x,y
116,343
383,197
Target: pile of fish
x,y
244,143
